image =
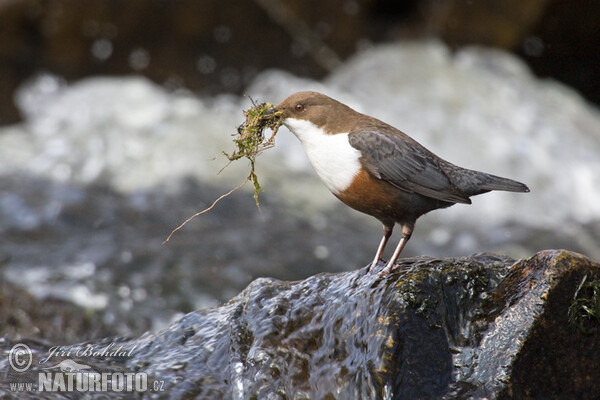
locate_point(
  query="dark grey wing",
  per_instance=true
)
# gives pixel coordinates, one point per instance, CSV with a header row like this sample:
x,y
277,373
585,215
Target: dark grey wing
x,y
405,164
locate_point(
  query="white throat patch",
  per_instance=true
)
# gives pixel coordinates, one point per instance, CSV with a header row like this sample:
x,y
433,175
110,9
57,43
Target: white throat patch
x,y
335,161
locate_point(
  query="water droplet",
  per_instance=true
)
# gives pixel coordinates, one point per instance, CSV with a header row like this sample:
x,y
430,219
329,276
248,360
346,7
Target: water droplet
x,y
222,34
102,49
139,59
534,46
321,252
206,64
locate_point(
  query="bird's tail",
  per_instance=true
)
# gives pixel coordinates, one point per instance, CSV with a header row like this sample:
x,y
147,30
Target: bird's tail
x,y
493,182
473,182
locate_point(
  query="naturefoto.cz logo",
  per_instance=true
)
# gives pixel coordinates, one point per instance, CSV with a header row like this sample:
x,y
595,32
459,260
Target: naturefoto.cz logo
x,y
68,375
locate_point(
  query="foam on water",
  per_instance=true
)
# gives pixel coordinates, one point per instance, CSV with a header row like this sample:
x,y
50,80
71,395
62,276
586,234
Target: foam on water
x,y
125,132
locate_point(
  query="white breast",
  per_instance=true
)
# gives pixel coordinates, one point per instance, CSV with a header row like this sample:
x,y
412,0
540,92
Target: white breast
x,y
335,161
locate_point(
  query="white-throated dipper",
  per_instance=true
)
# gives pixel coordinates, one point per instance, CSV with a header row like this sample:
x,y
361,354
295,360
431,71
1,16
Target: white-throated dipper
x,y
377,169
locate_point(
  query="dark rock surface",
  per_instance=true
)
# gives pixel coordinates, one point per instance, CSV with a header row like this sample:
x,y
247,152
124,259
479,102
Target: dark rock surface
x,y
473,327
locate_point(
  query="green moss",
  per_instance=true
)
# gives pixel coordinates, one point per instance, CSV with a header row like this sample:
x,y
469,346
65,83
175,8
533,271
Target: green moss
x,y
251,139
249,143
584,311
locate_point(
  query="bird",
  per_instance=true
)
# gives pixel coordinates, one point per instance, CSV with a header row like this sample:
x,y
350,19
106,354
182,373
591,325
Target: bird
x,y
379,170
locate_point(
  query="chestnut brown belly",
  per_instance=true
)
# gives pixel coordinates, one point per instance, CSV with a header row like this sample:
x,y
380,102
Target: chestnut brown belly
x,y
386,202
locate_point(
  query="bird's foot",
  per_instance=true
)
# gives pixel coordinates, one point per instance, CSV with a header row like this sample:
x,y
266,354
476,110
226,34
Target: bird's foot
x,y
373,267
389,267
387,270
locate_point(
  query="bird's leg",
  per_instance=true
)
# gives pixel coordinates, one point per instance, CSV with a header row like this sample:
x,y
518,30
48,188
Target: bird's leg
x,y
407,230
387,232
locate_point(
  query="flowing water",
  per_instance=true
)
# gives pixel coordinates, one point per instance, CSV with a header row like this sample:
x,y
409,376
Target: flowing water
x,y
101,170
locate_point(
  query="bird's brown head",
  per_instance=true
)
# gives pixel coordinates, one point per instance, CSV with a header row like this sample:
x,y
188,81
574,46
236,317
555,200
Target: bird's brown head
x,y
321,110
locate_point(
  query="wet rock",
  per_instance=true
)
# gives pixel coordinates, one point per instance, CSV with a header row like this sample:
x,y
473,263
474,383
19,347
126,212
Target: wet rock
x,y
473,327
54,320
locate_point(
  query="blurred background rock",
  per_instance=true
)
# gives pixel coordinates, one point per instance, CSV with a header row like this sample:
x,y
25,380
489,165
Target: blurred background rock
x,y
213,46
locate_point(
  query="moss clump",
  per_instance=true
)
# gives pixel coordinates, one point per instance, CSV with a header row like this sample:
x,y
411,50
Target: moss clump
x,y
584,311
251,139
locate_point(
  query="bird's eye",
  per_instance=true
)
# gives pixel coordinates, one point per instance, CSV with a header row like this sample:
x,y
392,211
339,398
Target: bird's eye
x,y
299,107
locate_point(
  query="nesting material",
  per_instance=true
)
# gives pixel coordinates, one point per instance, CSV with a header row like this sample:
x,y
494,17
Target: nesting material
x,y
250,141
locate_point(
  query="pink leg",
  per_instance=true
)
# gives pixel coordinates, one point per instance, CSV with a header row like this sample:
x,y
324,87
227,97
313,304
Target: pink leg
x,y
407,230
387,232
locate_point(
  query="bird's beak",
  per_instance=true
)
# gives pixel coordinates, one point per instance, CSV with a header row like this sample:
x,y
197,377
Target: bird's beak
x,y
271,110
